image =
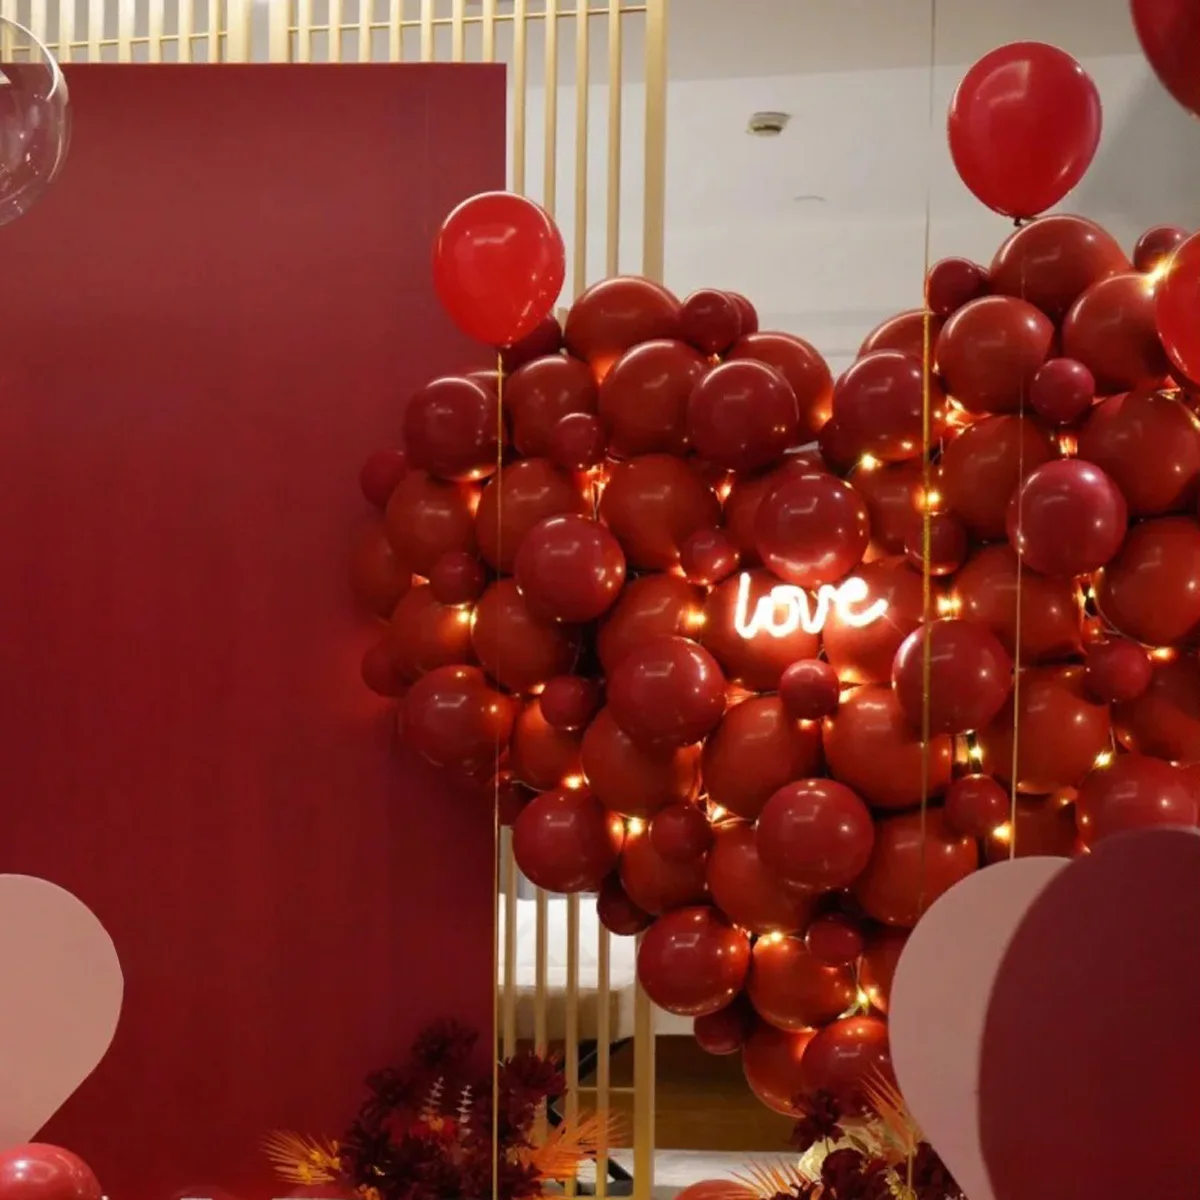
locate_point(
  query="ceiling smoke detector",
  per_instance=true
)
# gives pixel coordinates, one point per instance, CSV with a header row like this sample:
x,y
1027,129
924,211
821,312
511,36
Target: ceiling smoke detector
x,y
768,124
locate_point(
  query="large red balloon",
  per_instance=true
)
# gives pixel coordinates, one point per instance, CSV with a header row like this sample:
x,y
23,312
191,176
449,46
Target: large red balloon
x,y
846,1059
429,517
1169,31
616,314
909,332
540,756
1176,305
893,492
41,1172
724,1032
450,429
1117,670
791,989
873,750
567,841
692,962
516,500
681,832
880,403
801,364
516,647
425,634
757,748
631,779
812,530
656,884
746,892
570,568
989,352
540,394
815,834
644,398
1112,330
454,718
1165,719
1024,126
498,266
953,672
743,415
651,606
772,1062
1134,792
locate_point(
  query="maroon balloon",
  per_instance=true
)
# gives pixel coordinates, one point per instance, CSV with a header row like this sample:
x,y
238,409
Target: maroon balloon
x,y
453,717
773,1061
545,338
1112,329
846,1059
379,670
1024,126
726,1030
743,415
948,546
746,892
1169,31
667,692
567,841
37,1171
953,282
1062,391
802,365
711,321
650,606
540,394
747,312
577,442
835,939
893,493
516,500
378,577
1178,295
1165,720
380,474
541,756
1117,670
976,806
815,834
1156,246
953,672
519,649
457,578
424,634
617,912
709,556
681,833
450,429
655,884
570,569
498,266
617,313
880,403
810,690
632,779
692,962
812,530
792,989
1068,518
644,397
569,701
909,332
428,517
1134,792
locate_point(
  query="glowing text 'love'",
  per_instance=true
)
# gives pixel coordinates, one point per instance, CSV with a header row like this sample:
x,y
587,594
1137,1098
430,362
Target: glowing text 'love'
x,y
785,609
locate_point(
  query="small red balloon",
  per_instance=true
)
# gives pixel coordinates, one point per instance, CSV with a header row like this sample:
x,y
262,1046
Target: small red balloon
x,y
577,442
949,544
453,718
810,690
846,1059
709,556
743,415
424,634
617,912
976,805
835,939
1062,391
711,321
1157,246
909,332
692,962
681,833
725,1031
569,701
570,568
953,282
521,496
1117,670
791,989
457,578
747,312
567,841
380,474
41,1172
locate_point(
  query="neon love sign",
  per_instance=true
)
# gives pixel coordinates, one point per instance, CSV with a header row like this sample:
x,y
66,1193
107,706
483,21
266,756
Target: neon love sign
x,y
786,608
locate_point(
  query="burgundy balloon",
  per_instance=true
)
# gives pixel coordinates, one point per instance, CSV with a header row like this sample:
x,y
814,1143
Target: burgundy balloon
x,y
378,576
517,647
540,394
708,556
846,1059
632,779
802,365
880,402
835,939
810,690
1168,31
793,990
953,282
909,332
692,962
892,493
1156,246
681,833
1117,670
380,474
544,338
450,429
424,634
516,500
711,321
644,397
615,314
567,841
726,1030
746,892
541,756
457,578
617,912
650,606
569,701
1177,297
570,568
976,806
428,517
1134,791
949,544
743,415
772,1061
656,884
1062,391
577,442
1164,721
453,717
1112,329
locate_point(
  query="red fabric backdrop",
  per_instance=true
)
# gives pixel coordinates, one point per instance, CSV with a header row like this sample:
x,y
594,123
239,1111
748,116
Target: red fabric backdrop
x,y
205,327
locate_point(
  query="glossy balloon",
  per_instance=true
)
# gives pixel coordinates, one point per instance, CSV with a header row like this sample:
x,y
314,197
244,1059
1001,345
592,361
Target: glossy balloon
x,y
570,568
577,442
1157,246
772,1061
880,403
656,884
835,939
791,989
709,556
540,756
948,544
616,314
909,332
650,606
540,394
1164,720
711,321
545,338
743,415
520,497
953,282
428,517
976,806
453,717
644,398
880,957
692,962
569,701
617,912
810,690
892,493
746,892
42,1172
450,429
517,648
1062,391
681,833
801,364
567,841
846,1059
1178,298
1169,31
1117,670
1134,791
457,578
425,634
725,1031
631,779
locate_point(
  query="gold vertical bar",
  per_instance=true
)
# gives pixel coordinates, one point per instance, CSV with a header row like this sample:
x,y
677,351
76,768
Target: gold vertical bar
x,y
395,31
520,80
279,31
336,18
125,15
237,42
571,1032
216,27
511,984
603,1053
305,22
364,29
37,21
612,251
95,30
541,1040
187,23
154,28
427,31
654,210
66,30
488,18
582,96
550,165
458,33
643,1095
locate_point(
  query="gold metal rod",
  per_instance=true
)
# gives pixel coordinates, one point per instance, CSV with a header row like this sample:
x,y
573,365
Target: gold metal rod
x,y
488,19
604,1091
612,249
66,29
509,1005
541,1041
654,212
550,150
582,98
572,1024
520,87
305,31
279,30
238,43
643,1095
364,30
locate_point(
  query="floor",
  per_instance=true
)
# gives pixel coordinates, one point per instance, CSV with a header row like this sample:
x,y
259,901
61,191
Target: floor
x,y
676,1169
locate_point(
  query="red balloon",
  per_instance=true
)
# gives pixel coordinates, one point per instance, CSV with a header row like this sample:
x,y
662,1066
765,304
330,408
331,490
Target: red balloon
x,y
724,1032
743,415
949,543
40,1172
457,578
540,394
711,321
1112,331
380,474
378,577
986,591
872,749
656,885
1165,719
815,834
681,833
644,397
1178,301
379,671
667,692
809,690
772,1063
953,671
1156,247
520,497
692,962
812,530
983,466
878,969
745,497
1151,590
846,1058
511,798
747,312
454,718
835,939
653,504
990,351
569,701
429,517
757,748
577,442
880,402
630,779
892,493
953,282
425,634
917,858
801,364
1169,31
1062,731
450,429
1117,670
517,648
909,332
709,556
1052,261
746,892
545,338
651,606
618,313
570,568
618,914
498,267
540,756
1062,391
840,451
1024,126
567,841
1043,827
976,806
1068,518
1134,792
791,989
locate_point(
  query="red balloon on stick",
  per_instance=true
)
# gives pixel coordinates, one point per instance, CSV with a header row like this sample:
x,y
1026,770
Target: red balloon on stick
x,y
41,1172
498,267
1024,126
1176,306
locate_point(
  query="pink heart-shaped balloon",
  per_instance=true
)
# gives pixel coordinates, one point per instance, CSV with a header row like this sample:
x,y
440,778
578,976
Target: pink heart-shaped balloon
x,y
60,997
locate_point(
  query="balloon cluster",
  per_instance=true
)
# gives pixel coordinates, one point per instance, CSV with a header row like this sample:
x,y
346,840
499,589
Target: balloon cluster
x,y
769,661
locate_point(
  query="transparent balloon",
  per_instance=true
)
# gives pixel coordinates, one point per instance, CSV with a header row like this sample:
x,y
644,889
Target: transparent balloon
x,y
35,120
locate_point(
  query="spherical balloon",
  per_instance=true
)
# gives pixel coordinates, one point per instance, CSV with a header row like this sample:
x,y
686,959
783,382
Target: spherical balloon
x,y
569,701
428,517
618,313
711,321
1156,247
880,403
976,805
450,429
809,690
379,671
570,568
545,338
1178,293
709,556
567,841
953,283
516,647
1024,126
772,1063
989,352
692,962
846,1058
577,442
953,673
1168,31
617,912
511,799
656,884
520,497
378,577
815,834
948,544
540,756
743,415
791,989
540,394
801,364
1062,391
41,1172
452,717
631,779
380,474
726,1030
681,833
893,493
1117,670
835,939
878,968
1111,330
1068,518
650,606
644,397
746,892
457,578
812,530
1165,719
424,634
1134,792
1044,827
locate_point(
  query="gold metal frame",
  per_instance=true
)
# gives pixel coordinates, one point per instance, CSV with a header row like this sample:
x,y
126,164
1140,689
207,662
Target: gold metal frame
x,y
224,31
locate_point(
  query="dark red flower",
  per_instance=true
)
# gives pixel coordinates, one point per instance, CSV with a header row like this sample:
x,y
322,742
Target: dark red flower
x,y
818,1121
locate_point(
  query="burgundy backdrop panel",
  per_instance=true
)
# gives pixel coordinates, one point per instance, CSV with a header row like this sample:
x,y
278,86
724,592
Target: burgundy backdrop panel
x,y
205,327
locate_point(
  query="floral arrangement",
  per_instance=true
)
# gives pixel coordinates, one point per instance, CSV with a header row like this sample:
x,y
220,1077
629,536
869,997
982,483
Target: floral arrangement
x,y
425,1130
